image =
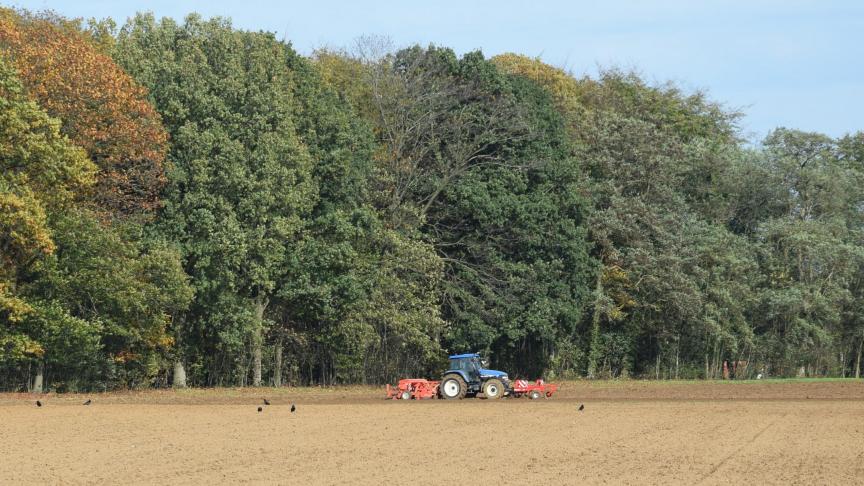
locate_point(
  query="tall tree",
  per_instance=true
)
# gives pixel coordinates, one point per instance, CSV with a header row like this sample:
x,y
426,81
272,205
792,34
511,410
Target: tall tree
x,y
41,171
101,108
241,181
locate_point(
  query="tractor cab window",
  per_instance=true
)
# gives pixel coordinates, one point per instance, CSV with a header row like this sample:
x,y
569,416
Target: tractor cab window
x,y
468,365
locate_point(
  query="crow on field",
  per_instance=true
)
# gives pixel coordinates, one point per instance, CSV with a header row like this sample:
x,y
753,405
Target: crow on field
x,y
38,403
88,402
293,408
581,407
260,409
266,402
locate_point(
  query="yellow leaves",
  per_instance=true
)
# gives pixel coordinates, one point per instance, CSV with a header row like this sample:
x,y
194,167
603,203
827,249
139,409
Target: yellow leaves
x,y
349,76
40,170
616,314
615,274
125,357
564,88
32,348
23,229
617,283
12,307
17,347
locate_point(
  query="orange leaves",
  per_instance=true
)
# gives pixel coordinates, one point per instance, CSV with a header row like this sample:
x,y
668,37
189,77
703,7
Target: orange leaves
x,y
39,170
102,108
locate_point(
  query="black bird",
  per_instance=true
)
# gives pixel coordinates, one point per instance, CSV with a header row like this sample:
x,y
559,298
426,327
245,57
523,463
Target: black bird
x,y
266,402
260,409
581,407
88,402
38,403
293,408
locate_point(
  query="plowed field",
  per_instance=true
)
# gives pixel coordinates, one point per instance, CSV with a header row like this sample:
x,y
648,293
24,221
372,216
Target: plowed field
x,y
630,433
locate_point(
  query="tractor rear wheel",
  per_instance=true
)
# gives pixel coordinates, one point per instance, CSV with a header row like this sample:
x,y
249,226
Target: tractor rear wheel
x,y
493,389
452,387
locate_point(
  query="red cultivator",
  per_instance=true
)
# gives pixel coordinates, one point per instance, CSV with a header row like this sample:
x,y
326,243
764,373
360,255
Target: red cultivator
x,y
533,390
416,388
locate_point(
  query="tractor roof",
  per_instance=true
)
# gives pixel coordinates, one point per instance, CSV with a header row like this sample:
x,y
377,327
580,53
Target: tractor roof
x,y
467,355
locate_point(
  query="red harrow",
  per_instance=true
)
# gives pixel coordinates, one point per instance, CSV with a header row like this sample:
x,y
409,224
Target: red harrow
x,y
533,390
416,388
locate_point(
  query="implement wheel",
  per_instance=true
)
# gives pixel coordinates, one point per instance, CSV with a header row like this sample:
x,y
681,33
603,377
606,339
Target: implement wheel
x,y
535,395
406,395
452,387
493,389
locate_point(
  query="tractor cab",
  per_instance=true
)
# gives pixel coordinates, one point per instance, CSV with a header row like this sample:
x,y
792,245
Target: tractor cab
x,y
468,374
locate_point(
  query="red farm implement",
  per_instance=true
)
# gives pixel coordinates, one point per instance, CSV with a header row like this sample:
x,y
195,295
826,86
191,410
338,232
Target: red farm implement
x,y
416,388
533,390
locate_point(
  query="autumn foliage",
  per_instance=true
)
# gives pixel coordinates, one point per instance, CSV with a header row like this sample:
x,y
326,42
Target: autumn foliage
x,y
103,110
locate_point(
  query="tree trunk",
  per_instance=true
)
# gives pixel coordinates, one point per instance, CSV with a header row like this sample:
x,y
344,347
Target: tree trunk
x,y
715,364
179,375
277,371
677,357
858,361
258,339
594,351
256,361
37,381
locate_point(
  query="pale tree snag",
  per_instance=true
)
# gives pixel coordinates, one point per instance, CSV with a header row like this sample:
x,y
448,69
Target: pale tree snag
x,y
37,381
179,375
256,362
258,339
277,371
594,351
858,361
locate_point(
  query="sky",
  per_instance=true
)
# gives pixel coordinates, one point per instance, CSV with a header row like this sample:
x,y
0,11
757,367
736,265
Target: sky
x,y
790,63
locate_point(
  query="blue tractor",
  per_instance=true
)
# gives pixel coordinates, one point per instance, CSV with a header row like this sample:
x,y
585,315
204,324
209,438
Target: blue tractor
x,y
468,376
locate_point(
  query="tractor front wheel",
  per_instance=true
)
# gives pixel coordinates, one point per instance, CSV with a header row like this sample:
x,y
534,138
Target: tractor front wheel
x,y
493,389
452,387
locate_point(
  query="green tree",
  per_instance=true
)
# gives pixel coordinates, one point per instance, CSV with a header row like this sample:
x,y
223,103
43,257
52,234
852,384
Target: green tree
x,y
41,171
241,181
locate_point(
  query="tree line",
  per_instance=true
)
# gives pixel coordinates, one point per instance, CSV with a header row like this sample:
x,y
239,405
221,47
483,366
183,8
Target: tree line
x,y
191,204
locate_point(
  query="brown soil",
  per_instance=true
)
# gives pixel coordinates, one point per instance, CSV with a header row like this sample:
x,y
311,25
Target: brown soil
x,y
630,432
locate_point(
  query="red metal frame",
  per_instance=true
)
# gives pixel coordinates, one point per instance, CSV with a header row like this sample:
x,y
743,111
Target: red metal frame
x,y
525,387
416,388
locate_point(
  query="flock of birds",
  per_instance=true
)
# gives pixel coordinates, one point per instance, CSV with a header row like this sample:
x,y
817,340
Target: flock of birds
x,y
267,402
260,409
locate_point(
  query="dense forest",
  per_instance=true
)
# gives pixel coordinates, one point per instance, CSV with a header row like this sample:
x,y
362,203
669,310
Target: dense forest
x,y
190,204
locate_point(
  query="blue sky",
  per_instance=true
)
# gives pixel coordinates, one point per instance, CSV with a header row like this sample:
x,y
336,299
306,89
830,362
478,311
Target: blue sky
x,y
798,64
